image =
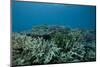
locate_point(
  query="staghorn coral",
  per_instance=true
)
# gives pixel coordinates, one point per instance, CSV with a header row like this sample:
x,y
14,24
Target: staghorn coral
x,y
27,50
53,44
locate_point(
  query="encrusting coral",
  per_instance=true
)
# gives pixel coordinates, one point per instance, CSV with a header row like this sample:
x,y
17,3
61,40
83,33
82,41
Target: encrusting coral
x,y
53,44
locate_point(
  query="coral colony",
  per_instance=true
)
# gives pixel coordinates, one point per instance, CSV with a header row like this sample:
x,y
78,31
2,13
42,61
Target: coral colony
x,y
45,44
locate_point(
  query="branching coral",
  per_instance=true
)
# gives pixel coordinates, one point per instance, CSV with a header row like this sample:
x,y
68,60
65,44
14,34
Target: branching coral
x,y
27,50
53,44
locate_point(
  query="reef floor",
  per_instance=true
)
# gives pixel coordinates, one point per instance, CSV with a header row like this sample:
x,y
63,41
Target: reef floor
x,y
52,45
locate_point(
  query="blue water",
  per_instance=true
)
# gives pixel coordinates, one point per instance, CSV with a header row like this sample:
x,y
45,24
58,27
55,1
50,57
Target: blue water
x,y
27,14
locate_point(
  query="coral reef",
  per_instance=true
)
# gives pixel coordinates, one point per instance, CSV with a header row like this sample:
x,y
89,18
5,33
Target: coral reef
x,y
53,44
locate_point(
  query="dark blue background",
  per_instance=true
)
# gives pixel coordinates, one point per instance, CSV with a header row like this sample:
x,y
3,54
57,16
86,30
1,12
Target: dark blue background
x,y
27,14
